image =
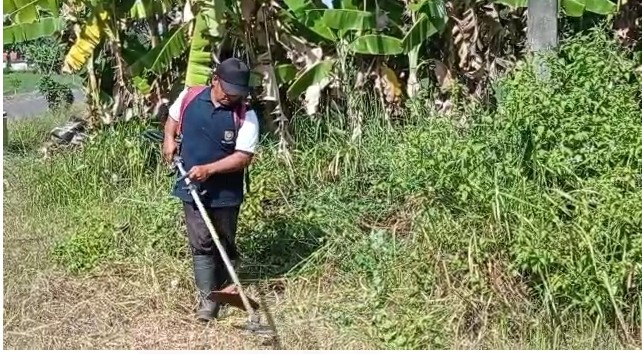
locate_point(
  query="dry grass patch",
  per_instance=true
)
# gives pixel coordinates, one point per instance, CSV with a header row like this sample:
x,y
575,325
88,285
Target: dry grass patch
x,y
144,305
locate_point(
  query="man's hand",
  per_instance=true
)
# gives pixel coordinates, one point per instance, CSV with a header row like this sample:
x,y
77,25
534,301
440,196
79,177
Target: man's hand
x,y
169,148
235,162
200,173
169,142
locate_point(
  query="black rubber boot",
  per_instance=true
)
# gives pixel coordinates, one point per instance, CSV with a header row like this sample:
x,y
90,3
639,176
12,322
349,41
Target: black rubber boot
x,y
204,277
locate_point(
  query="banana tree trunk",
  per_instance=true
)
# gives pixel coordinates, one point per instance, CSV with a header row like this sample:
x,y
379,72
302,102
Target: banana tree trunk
x,y
413,82
542,29
153,30
93,90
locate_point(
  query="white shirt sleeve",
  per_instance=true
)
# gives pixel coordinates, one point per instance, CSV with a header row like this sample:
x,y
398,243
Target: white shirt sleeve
x,y
175,108
248,136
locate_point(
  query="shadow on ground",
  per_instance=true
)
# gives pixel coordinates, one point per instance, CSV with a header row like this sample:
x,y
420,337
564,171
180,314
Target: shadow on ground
x,y
278,246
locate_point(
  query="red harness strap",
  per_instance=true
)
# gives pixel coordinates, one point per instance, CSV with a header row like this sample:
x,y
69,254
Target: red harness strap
x,y
191,94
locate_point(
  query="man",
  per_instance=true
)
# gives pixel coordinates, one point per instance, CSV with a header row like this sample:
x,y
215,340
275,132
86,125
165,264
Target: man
x,y
215,155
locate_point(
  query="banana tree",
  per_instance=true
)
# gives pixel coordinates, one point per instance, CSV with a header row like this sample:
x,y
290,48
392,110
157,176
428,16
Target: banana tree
x,y
26,20
327,37
376,30
428,18
101,36
573,8
206,32
18,32
98,29
152,12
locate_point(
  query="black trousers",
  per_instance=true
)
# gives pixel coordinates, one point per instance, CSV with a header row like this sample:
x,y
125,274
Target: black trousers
x,y
225,221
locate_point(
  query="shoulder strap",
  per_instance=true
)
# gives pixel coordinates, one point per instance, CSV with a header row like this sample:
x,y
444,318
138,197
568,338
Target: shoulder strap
x,y
192,92
239,115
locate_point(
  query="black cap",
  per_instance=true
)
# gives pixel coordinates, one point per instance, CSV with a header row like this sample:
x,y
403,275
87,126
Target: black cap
x,y
234,76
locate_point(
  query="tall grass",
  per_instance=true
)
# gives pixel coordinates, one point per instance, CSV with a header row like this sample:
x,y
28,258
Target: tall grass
x,y
521,230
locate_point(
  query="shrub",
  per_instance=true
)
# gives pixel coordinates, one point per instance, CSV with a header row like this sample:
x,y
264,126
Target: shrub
x,y
555,172
57,94
46,54
576,141
14,82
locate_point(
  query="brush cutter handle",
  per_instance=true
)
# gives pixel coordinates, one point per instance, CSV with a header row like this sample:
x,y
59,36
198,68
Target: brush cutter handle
x,y
228,264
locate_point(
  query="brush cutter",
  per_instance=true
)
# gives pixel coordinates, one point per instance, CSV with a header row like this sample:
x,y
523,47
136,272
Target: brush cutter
x,y
232,294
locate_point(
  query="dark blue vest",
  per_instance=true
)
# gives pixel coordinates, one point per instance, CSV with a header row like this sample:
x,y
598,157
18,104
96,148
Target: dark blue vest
x,y
209,134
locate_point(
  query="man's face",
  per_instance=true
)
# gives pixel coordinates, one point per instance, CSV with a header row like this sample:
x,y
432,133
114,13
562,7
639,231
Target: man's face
x,y
220,96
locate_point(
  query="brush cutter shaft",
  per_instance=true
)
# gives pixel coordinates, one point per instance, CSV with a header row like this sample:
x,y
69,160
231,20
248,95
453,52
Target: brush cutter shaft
x,y
210,227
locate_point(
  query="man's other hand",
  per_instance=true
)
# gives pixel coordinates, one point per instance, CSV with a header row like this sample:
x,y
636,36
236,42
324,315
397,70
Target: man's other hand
x,y
169,148
200,173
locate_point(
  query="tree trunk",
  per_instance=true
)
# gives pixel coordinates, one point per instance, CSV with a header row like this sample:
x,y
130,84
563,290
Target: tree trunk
x,y
542,30
153,30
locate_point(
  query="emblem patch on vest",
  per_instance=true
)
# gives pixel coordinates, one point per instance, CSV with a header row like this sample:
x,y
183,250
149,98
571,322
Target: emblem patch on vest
x,y
229,135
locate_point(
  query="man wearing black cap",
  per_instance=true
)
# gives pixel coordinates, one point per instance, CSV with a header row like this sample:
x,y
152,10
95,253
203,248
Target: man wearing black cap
x,y
219,139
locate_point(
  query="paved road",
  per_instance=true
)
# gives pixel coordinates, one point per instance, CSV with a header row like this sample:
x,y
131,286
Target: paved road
x,y
30,104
